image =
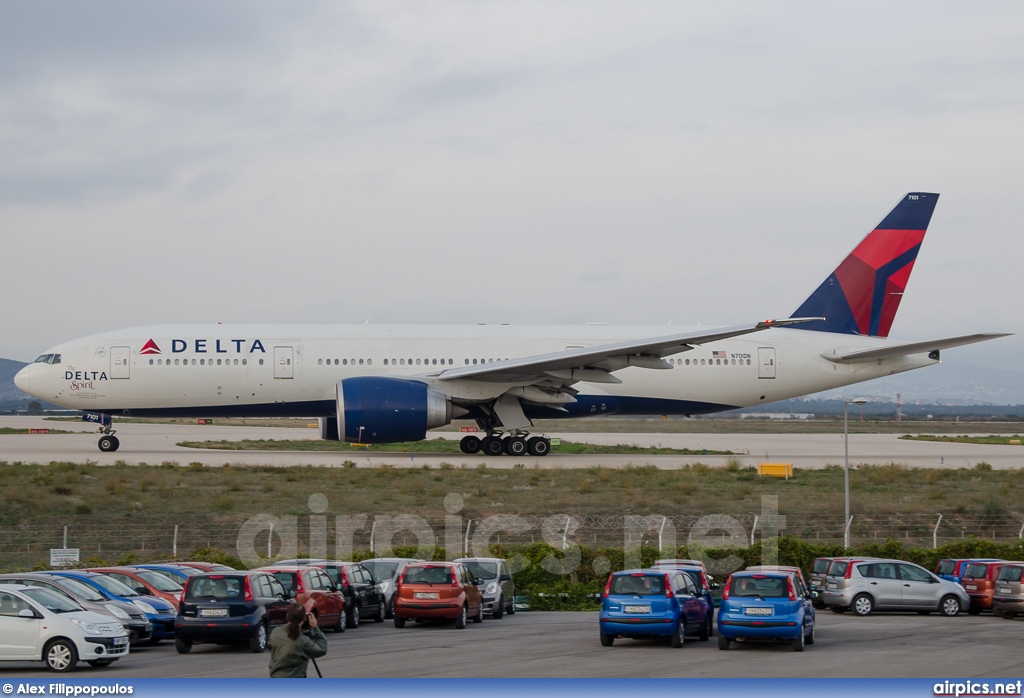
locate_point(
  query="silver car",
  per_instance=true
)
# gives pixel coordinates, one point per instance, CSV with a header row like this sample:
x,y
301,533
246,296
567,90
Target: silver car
x,y
496,585
385,572
863,586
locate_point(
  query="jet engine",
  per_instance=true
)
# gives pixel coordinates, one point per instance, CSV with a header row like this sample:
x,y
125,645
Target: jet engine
x,y
379,409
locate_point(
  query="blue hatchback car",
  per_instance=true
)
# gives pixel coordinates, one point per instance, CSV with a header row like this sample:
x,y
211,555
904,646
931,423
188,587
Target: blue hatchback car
x,y
653,603
766,606
160,613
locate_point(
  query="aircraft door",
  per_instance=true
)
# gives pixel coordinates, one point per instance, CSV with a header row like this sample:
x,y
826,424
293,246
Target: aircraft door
x,y
284,362
120,362
766,362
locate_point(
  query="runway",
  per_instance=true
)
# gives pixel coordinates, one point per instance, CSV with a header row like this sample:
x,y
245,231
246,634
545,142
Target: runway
x,y
156,443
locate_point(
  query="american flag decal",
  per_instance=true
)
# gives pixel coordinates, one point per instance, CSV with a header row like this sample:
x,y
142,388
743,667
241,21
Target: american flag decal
x,y
718,355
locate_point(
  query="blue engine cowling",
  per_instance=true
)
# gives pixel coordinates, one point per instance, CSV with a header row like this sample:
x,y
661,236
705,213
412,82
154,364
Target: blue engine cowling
x,y
380,410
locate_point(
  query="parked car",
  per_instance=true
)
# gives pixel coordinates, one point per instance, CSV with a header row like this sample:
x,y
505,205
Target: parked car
x,y
766,606
135,622
173,571
145,582
363,598
41,625
979,581
700,579
952,569
653,603
496,584
230,607
436,590
863,586
311,587
158,612
1008,599
205,566
385,572
816,580
706,580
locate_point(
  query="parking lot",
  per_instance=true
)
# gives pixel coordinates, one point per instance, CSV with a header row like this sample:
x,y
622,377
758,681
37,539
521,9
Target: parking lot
x,y
566,645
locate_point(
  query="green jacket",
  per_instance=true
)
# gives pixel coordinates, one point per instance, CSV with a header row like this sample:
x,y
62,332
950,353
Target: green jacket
x,y
288,657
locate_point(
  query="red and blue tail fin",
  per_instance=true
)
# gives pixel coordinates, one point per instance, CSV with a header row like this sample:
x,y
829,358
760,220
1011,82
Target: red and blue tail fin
x,y
861,296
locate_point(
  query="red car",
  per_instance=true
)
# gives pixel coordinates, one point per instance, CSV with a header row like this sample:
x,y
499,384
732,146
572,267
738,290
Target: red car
x,y
434,590
145,582
312,588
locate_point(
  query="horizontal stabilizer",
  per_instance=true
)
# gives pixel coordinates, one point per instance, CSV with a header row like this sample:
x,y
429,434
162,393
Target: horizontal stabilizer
x,y
898,350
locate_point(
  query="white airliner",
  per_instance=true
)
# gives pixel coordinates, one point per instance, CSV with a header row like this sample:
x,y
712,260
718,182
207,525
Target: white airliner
x,y
387,383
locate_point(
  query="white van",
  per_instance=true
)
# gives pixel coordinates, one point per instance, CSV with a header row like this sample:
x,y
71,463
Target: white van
x,y
39,625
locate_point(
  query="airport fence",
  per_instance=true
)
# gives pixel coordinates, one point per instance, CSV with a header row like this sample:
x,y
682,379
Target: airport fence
x,y
29,546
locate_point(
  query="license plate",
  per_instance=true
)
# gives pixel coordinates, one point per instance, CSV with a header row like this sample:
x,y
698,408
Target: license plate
x,y
120,641
757,611
425,595
832,585
636,609
971,587
1005,590
213,612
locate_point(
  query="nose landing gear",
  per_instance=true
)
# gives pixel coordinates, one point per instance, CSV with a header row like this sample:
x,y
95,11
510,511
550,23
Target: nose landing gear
x,y
108,442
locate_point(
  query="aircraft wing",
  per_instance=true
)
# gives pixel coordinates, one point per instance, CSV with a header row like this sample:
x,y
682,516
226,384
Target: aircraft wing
x,y
595,364
898,350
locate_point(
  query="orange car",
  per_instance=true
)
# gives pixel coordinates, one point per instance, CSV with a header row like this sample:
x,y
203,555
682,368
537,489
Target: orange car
x,y
432,590
312,588
979,581
145,582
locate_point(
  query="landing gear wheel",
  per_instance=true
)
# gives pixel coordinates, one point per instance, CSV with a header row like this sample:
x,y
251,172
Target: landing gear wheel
x,y
492,446
109,443
470,445
538,446
515,446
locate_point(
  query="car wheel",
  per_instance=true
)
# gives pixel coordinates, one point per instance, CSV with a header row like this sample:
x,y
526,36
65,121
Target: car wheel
x,y
100,662
511,610
949,606
353,615
460,622
183,646
677,639
810,637
479,617
258,643
798,642
862,605
607,640
60,656
382,612
342,623
399,622
723,642
499,608
705,632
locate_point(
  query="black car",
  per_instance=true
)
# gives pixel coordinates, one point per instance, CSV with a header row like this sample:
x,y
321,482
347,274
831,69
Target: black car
x,y
135,622
230,607
363,595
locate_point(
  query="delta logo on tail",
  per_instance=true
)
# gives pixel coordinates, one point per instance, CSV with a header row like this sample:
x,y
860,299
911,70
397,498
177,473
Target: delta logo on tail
x,y
862,295
150,348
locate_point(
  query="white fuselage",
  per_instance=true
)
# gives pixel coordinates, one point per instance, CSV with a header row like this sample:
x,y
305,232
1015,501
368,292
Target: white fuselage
x,y
293,370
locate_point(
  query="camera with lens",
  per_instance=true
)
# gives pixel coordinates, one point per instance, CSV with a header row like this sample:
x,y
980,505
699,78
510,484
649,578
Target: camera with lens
x,y
305,624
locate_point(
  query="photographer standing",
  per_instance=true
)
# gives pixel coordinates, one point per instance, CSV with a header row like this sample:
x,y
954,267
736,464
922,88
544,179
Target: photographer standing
x,y
293,645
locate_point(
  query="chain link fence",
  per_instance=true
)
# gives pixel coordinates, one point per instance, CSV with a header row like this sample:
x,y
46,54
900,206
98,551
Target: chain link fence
x,y
27,546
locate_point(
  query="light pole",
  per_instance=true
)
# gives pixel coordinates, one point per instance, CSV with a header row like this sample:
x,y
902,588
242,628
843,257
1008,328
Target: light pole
x,y
846,465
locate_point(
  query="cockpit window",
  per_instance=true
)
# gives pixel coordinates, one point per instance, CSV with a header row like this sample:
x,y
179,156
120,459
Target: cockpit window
x,y
48,359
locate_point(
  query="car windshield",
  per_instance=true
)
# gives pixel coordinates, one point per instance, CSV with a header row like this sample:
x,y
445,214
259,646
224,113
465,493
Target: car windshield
x,y
838,568
820,565
1010,573
158,581
483,570
79,589
976,569
428,575
52,601
638,584
114,587
946,567
219,587
384,570
763,587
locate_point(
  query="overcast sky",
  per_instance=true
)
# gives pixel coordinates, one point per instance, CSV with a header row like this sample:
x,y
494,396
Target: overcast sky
x,y
622,162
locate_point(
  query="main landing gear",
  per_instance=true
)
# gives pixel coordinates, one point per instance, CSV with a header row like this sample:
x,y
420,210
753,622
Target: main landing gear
x,y
513,444
108,442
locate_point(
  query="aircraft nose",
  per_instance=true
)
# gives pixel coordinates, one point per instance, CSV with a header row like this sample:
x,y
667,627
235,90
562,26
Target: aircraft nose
x,y
22,379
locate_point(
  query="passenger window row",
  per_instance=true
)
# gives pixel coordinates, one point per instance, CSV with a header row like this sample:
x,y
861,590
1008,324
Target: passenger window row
x,y
201,362
709,362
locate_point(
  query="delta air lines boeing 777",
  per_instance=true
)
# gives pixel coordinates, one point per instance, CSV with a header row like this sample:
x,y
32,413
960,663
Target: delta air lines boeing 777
x,y
373,384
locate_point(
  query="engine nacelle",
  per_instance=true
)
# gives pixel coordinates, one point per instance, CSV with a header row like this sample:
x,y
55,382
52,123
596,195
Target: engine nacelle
x,y
380,410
